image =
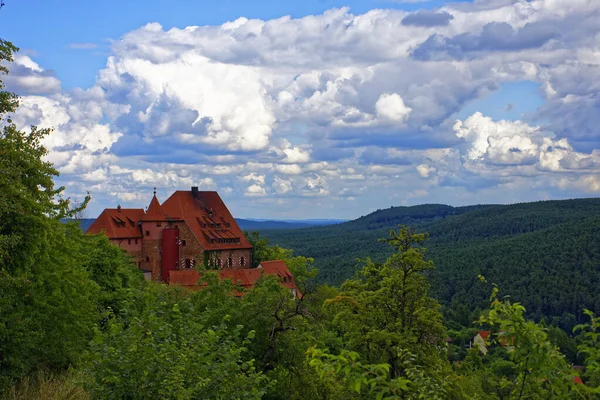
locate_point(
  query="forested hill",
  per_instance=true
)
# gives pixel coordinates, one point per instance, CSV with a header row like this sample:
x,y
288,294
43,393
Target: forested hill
x,y
544,254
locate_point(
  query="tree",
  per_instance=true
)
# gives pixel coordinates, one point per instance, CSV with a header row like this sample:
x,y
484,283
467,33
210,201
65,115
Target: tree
x,y
49,302
386,312
537,369
301,267
169,352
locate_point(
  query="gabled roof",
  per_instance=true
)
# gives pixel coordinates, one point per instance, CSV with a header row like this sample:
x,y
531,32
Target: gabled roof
x,y
484,334
278,268
118,223
208,218
154,212
243,277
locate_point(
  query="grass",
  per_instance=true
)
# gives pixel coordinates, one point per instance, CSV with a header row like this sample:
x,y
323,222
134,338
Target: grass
x,y
44,386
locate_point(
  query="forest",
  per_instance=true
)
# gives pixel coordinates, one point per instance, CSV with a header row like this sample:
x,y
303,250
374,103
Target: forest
x,y
78,321
545,254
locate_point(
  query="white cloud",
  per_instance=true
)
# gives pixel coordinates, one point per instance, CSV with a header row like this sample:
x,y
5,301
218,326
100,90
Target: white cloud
x,y
282,186
329,107
259,179
255,190
392,107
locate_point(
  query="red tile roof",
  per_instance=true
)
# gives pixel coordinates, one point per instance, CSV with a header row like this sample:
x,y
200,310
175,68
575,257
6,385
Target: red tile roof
x,y
484,334
278,267
577,380
154,212
243,277
118,223
208,218
206,215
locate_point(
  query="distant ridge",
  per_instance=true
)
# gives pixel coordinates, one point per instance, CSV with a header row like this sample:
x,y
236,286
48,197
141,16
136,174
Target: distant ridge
x,y
544,254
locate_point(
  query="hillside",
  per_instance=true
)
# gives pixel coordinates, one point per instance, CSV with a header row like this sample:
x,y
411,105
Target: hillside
x,y
544,254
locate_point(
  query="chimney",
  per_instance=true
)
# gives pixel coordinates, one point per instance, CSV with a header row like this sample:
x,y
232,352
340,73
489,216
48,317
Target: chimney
x,y
119,208
195,191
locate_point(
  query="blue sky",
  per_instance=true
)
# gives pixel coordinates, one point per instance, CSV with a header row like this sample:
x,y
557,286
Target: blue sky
x,y
343,108
52,26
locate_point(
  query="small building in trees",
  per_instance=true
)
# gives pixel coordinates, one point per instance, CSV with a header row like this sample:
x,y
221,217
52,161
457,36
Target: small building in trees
x,y
245,278
190,227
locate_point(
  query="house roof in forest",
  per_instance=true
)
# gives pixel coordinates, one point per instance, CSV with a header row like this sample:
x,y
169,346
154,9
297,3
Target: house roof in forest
x,y
278,268
246,277
118,223
208,218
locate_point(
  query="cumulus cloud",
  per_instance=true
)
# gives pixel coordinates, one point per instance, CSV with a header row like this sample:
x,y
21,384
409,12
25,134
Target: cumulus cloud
x,y
27,77
428,18
328,107
255,190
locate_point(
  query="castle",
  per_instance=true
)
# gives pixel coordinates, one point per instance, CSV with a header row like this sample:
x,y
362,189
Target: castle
x,y
190,227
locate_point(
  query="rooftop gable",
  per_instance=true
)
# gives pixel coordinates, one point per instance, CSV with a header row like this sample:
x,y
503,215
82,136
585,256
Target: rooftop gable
x,y
208,218
155,211
118,223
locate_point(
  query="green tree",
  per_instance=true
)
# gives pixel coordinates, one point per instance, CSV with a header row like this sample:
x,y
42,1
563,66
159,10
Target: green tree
x,y
386,312
169,352
301,267
52,290
537,368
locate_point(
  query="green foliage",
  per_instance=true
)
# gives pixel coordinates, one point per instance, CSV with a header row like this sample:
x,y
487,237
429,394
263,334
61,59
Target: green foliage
x,y
52,292
367,380
590,348
169,353
387,311
536,369
120,282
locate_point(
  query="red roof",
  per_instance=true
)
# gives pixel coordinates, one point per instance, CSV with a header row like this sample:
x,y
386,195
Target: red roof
x,y
208,218
154,212
577,380
243,277
205,214
118,223
484,334
278,267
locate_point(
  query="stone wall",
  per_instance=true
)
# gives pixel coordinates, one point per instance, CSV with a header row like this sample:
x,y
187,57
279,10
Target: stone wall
x,y
151,247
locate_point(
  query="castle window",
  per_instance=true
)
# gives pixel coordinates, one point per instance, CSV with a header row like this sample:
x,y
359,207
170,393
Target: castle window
x,y
231,261
242,261
128,241
147,259
182,243
188,263
135,241
219,263
158,224
147,233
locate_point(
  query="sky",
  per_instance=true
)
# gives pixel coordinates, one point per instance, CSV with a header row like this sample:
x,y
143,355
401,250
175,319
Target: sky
x,y
315,108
